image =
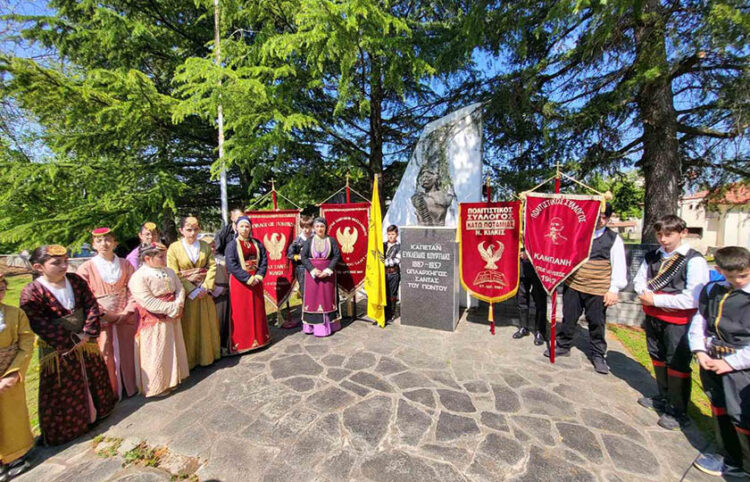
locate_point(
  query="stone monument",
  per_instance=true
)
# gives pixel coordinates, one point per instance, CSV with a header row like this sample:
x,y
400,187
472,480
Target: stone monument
x,y
429,277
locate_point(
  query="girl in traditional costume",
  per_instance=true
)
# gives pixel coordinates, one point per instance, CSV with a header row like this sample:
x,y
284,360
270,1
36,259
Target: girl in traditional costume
x,y
74,388
194,263
161,358
16,343
148,234
247,262
108,276
320,255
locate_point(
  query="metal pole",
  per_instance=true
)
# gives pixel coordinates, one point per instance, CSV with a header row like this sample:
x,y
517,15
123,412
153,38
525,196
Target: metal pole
x,y
220,119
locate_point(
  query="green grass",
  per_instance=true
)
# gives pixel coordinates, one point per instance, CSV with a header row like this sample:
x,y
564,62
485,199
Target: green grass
x,y
634,340
15,285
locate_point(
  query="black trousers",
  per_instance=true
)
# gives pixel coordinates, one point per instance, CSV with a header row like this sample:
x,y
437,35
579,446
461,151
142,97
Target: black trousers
x,y
574,304
729,395
392,280
668,347
299,273
531,289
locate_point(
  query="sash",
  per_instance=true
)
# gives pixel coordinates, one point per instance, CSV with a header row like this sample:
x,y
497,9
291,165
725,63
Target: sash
x,y
147,318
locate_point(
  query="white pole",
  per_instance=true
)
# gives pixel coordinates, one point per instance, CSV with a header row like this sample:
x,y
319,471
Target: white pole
x,y
220,119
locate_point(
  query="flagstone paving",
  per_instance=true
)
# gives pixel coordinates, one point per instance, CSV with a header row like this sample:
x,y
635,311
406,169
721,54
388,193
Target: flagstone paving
x,y
398,404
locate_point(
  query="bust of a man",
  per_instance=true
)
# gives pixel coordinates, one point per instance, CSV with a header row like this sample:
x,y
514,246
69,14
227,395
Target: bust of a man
x,y
430,202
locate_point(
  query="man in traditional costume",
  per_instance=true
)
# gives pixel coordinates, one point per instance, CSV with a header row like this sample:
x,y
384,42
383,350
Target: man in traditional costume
x,y
293,254
74,387
669,282
530,289
392,250
16,344
593,288
107,277
220,294
148,234
320,255
161,358
247,263
193,261
226,234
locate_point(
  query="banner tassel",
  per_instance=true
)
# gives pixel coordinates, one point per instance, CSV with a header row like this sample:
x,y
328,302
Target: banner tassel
x,y
491,318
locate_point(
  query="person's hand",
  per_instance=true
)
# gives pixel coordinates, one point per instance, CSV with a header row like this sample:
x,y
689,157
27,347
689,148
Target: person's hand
x,y
703,360
524,256
9,381
719,366
324,274
647,298
610,299
315,273
254,280
202,294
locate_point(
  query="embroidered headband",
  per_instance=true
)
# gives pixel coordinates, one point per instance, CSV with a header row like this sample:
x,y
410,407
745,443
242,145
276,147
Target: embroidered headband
x,y
56,250
98,232
150,226
321,220
243,218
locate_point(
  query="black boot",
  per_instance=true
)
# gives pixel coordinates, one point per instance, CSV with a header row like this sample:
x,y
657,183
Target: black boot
x,y
520,333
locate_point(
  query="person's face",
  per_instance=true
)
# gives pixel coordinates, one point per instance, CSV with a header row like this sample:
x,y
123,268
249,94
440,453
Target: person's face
x,y
104,244
235,214
392,236
427,179
190,232
53,269
670,240
147,236
159,260
244,229
3,290
737,279
307,231
603,220
320,229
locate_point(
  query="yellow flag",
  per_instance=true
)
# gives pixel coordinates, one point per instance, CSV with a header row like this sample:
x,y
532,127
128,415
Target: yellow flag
x,y
375,273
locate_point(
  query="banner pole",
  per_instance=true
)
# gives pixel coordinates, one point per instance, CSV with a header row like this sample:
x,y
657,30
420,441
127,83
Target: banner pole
x,y
348,191
273,195
553,315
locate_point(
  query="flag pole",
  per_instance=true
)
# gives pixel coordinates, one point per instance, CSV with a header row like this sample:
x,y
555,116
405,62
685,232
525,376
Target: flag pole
x,y
553,315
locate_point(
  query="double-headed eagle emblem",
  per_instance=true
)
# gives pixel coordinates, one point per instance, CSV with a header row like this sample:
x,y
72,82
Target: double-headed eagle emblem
x,y
347,238
490,255
274,245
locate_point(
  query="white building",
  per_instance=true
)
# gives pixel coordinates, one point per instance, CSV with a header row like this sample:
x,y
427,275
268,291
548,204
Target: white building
x,y
716,221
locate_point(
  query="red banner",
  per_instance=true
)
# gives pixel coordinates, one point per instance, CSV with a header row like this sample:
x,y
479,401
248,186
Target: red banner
x,y
558,232
276,230
489,249
347,223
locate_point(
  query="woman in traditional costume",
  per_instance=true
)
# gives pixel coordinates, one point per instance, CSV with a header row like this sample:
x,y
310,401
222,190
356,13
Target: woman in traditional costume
x,y
320,255
74,388
148,234
108,276
247,262
161,359
16,343
194,263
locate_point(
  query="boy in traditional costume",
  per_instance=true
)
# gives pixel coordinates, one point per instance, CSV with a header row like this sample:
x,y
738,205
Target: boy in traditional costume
x,y
74,387
719,337
107,277
668,283
320,255
293,254
392,250
593,288
148,234
193,261
16,343
161,358
247,263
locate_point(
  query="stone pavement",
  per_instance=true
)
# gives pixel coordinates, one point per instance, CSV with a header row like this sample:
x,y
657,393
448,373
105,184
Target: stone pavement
x,y
398,404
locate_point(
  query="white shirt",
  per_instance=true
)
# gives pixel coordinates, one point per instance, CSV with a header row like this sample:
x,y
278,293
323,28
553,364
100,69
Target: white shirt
x,y
396,259
619,277
193,250
697,277
109,271
64,295
697,338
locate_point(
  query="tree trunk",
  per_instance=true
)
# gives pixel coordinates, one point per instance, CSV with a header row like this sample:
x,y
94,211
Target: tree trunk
x,y
661,163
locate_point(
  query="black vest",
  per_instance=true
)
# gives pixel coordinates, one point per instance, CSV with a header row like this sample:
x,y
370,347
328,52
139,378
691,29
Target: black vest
x,y
393,251
734,325
679,280
602,246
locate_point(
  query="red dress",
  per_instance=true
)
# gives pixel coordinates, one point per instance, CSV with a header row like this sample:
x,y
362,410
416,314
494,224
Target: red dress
x,y
249,327
74,389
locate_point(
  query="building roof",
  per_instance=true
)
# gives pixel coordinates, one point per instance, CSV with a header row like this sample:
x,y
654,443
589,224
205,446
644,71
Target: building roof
x,y
736,194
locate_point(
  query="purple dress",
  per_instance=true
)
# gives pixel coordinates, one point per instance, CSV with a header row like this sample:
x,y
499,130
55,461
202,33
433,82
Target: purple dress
x,y
320,314
132,258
